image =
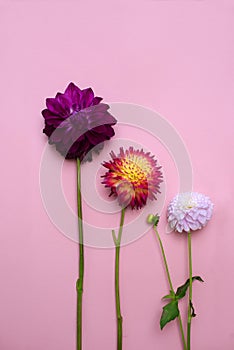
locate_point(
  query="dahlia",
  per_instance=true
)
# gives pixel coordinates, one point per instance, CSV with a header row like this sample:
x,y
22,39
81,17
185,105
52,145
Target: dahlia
x,y
76,122
189,211
133,176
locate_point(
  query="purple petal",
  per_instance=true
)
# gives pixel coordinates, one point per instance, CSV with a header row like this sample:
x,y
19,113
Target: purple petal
x,y
86,98
51,119
105,130
66,103
74,94
72,90
101,129
96,101
55,107
48,130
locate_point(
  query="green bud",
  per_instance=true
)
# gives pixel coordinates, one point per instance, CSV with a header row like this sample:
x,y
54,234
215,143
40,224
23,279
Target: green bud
x,y
153,219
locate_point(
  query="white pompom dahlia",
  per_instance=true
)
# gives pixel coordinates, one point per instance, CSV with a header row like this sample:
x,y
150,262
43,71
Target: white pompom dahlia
x,y
189,211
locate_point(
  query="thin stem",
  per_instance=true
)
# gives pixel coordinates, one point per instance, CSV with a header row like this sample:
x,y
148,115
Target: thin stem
x,y
117,294
190,292
79,284
170,284
165,259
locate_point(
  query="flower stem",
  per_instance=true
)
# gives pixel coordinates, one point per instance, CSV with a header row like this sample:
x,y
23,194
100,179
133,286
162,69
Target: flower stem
x,y
79,283
190,291
170,284
117,242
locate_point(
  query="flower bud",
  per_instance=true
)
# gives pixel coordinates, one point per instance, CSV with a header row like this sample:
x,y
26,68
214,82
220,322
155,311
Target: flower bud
x,y
153,219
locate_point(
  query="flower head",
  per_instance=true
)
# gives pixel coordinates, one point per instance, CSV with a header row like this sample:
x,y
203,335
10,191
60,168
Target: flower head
x,y
189,211
133,176
76,122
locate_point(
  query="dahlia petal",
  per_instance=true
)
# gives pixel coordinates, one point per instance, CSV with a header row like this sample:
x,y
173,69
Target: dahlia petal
x,y
204,205
202,219
49,115
179,228
51,119
172,223
72,90
194,214
171,217
189,219
65,103
96,101
87,97
203,212
181,215
54,106
48,130
74,93
107,132
185,226
100,129
194,226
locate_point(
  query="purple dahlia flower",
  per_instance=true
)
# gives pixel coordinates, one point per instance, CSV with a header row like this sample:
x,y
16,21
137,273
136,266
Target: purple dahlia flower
x,y
76,122
189,211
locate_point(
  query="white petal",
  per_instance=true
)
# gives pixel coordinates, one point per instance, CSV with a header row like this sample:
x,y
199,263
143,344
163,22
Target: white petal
x,y
173,223
186,227
194,226
202,219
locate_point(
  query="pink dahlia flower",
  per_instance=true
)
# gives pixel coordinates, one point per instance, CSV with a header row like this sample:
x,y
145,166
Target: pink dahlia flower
x,y
189,211
133,176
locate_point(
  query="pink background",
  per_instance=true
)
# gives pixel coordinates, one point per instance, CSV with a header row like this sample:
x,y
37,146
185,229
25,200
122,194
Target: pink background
x,y
175,57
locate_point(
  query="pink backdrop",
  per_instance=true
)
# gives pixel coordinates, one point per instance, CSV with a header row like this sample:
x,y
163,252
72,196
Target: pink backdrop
x,y
175,57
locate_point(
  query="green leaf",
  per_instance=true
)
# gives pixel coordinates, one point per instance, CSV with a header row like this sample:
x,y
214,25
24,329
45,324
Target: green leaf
x,y
169,296
170,312
181,291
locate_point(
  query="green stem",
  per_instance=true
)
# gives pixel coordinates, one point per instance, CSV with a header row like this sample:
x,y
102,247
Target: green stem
x,y
117,242
79,284
170,284
190,292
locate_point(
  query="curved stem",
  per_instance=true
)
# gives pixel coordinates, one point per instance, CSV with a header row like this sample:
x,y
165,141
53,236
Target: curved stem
x,y
190,291
164,258
79,284
117,242
170,284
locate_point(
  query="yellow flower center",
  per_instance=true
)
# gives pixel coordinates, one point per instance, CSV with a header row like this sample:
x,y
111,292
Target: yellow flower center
x,y
189,204
135,169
